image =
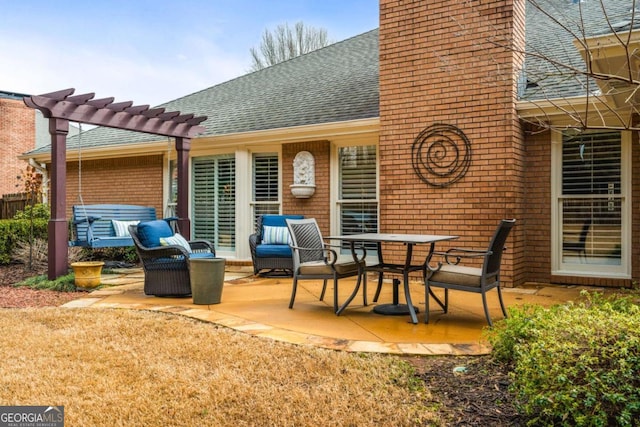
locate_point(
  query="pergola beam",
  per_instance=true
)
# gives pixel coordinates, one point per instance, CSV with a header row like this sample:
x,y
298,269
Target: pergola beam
x,y
61,107
120,115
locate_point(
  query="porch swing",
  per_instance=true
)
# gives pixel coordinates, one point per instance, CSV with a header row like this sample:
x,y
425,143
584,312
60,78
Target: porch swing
x,y
104,225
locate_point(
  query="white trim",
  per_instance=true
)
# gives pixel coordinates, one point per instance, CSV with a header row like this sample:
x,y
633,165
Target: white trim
x,y
556,183
243,201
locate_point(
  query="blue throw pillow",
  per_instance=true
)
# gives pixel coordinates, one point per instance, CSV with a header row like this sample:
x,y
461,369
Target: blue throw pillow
x,y
150,232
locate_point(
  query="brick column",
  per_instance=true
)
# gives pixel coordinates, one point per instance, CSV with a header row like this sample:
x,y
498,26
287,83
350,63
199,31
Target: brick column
x,y
438,65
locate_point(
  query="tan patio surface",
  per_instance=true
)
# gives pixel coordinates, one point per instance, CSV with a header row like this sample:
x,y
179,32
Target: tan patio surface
x,y
259,306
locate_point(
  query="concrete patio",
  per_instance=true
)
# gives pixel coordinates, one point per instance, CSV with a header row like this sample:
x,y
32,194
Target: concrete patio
x,y
259,306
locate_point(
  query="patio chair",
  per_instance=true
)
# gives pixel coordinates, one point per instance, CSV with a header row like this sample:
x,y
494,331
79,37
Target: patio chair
x,y
165,257
451,275
314,259
580,245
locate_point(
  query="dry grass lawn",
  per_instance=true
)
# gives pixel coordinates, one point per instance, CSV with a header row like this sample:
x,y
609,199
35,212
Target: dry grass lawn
x,y
116,368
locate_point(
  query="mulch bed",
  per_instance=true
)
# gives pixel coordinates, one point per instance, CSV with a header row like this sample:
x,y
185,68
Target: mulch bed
x,y
477,396
472,390
23,297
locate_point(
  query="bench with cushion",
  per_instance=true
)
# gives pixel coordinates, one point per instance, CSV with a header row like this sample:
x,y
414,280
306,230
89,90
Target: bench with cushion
x,y
269,245
106,225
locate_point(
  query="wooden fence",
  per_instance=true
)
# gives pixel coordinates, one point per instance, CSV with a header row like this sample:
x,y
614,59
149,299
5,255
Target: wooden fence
x,y
12,203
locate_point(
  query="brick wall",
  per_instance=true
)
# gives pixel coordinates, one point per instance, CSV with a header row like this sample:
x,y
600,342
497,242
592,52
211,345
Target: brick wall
x,y
317,206
436,66
17,136
538,201
129,181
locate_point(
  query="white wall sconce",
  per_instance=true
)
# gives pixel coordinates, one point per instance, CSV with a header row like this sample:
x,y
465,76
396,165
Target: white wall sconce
x,y
304,170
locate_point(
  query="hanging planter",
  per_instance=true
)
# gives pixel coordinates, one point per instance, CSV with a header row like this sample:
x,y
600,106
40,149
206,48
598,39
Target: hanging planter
x,y
87,273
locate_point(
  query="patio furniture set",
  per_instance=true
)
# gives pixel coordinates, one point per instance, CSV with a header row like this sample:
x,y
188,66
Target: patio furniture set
x,y
292,245
315,259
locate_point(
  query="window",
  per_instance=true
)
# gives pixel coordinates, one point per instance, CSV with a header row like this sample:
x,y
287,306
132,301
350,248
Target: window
x,y
591,205
214,200
265,198
357,190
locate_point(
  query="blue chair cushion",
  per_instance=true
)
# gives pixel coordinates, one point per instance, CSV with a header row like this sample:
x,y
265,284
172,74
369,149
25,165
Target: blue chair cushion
x,y
201,255
150,232
273,251
278,220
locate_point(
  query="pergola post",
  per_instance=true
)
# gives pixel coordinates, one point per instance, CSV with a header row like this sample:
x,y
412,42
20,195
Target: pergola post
x,y
183,145
58,227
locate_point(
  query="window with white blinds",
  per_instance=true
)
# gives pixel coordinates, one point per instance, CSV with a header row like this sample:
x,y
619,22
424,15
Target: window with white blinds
x,y
214,200
591,201
357,191
265,185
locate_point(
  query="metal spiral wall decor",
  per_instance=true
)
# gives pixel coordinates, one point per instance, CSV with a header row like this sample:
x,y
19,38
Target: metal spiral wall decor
x,y
441,154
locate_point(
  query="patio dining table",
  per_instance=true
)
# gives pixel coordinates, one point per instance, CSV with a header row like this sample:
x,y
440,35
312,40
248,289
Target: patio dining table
x,y
409,240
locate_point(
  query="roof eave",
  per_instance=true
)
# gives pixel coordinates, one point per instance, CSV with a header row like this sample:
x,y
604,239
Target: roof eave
x,y
104,152
351,129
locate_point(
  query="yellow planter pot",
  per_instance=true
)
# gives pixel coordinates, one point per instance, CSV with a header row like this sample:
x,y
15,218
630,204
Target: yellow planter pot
x,y
87,273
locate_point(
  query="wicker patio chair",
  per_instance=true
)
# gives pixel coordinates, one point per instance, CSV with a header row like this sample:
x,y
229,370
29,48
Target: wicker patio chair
x,y
271,259
314,259
451,275
166,268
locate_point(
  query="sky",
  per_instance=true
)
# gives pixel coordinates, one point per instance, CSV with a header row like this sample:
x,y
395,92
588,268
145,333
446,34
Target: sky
x,y
151,52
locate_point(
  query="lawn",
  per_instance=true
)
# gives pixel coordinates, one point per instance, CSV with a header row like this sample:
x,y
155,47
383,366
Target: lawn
x,y
113,367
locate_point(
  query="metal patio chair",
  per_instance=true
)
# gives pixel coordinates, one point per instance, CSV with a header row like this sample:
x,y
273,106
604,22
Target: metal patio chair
x,y
314,259
451,275
580,245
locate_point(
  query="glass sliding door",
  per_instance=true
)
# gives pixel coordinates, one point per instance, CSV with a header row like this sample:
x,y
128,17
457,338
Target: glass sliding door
x,y
214,212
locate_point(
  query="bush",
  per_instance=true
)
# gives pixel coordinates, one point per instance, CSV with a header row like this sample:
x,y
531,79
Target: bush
x,y
64,283
13,231
39,211
574,364
124,254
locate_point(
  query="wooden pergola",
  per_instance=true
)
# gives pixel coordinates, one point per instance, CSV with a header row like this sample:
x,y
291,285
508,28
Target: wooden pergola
x,y
61,107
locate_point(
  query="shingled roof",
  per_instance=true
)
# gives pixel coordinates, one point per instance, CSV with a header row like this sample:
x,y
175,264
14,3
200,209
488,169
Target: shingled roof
x,y
545,37
333,84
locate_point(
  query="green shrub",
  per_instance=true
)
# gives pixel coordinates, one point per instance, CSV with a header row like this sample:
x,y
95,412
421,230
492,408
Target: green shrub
x,y
64,283
126,254
574,364
13,231
39,211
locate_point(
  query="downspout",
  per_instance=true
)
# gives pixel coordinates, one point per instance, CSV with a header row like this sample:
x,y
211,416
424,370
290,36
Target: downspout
x,y
42,169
